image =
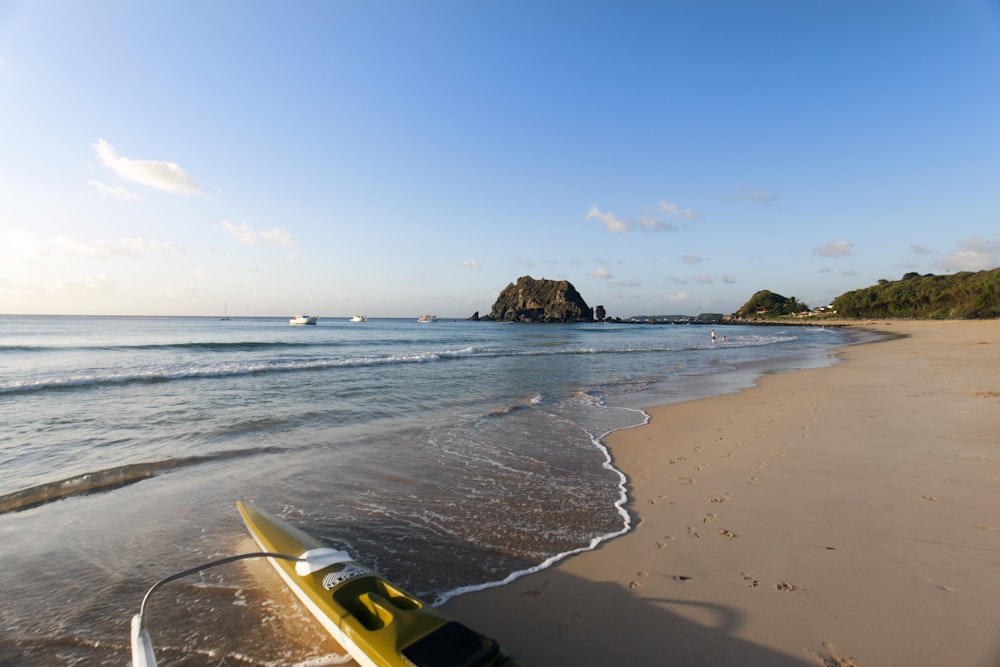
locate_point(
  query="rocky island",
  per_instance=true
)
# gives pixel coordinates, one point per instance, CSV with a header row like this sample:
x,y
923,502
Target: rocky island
x,y
531,300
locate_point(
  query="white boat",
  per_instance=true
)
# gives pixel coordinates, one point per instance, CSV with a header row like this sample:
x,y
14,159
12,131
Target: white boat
x,y
359,318
427,318
304,319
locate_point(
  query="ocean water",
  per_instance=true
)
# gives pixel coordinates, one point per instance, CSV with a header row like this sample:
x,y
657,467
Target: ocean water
x,y
449,456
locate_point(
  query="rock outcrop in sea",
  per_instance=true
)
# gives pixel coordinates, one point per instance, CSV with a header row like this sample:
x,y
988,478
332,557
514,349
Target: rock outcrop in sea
x,y
531,300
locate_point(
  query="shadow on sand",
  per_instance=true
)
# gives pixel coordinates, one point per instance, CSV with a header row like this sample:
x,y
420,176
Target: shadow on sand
x,y
555,618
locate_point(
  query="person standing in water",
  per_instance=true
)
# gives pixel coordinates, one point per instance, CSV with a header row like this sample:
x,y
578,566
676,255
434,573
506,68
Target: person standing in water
x,y
713,335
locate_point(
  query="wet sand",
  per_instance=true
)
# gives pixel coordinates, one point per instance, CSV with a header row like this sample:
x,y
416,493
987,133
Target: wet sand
x,y
839,516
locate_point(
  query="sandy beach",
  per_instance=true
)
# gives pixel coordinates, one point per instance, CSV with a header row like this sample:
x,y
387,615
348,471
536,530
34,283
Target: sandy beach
x,y
840,516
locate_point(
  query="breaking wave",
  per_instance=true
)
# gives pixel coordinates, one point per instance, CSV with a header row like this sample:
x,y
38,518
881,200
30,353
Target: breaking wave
x,y
225,369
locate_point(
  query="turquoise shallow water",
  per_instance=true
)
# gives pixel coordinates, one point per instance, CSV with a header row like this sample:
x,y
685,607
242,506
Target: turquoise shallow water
x,y
449,456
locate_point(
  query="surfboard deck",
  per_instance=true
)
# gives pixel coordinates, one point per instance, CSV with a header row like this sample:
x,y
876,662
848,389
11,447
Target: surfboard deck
x,y
376,622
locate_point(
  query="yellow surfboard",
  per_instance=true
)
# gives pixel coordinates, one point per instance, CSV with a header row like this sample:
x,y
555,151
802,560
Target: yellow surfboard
x,y
378,624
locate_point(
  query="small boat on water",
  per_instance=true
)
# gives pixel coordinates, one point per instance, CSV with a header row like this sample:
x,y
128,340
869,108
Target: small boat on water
x,y
376,622
359,318
427,318
304,319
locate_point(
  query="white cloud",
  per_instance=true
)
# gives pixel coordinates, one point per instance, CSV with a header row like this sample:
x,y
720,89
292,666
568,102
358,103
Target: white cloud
x,y
692,259
748,194
99,284
729,278
119,191
834,249
704,279
166,176
675,211
611,223
470,264
974,254
117,248
242,232
647,222
180,291
77,247
247,234
278,237
144,245
18,244
600,273
679,296
653,225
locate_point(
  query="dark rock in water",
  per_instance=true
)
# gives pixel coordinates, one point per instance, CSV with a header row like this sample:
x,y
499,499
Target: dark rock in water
x,y
474,317
531,300
600,314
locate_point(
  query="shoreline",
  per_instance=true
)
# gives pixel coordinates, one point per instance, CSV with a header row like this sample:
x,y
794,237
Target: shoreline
x,y
843,515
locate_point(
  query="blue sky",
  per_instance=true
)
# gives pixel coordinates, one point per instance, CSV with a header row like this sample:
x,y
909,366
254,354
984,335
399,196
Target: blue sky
x,y
396,158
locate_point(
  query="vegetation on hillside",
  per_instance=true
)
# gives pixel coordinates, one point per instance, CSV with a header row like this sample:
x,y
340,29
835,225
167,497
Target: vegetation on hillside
x,y
963,295
765,304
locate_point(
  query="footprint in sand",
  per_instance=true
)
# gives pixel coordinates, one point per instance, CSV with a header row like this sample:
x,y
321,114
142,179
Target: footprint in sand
x,y
692,532
681,577
728,534
676,460
662,543
686,481
653,501
785,586
709,518
751,581
831,659
722,498
535,593
933,499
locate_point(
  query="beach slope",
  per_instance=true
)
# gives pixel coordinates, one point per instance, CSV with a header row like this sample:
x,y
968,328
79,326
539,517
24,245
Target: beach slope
x,y
839,516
